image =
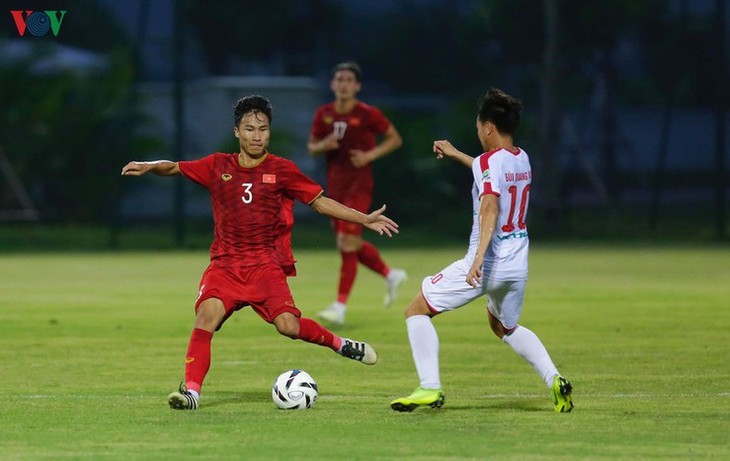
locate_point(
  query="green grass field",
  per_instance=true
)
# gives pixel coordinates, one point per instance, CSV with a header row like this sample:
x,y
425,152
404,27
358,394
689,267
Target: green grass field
x,y
92,343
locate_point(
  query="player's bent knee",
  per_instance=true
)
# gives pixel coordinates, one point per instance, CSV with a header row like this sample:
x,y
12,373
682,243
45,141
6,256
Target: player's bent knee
x,y
210,314
287,325
349,243
418,307
288,331
499,330
291,334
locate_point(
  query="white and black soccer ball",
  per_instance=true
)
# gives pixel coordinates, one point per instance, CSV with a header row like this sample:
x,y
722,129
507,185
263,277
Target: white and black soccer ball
x,y
294,390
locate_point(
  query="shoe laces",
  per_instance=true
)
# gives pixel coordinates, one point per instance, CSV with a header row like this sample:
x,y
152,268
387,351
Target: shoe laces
x,y
192,401
565,387
353,350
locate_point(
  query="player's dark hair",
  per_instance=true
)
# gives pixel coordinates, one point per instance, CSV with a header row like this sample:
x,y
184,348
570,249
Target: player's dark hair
x,y
503,110
253,103
352,66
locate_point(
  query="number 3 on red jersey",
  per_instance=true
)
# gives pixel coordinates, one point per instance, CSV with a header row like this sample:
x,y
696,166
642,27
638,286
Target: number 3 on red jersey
x,y
247,194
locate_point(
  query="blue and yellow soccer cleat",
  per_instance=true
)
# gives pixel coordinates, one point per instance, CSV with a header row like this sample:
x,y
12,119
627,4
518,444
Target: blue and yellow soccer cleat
x,y
560,392
421,397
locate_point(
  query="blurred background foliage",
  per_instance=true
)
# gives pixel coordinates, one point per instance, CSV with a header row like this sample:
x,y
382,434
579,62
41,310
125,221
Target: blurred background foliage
x,y
68,133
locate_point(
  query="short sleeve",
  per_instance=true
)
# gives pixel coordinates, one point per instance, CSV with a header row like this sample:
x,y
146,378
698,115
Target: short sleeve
x,y
300,186
199,171
319,129
486,174
378,120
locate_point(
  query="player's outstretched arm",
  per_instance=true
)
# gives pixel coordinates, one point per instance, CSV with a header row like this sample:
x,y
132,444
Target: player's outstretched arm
x,y
375,221
159,167
444,148
380,223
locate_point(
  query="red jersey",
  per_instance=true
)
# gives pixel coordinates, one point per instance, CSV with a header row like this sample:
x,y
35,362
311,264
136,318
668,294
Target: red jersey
x,y
356,129
252,207
284,253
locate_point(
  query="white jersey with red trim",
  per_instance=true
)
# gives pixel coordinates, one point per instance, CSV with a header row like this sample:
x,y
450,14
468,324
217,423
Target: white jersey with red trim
x,y
508,175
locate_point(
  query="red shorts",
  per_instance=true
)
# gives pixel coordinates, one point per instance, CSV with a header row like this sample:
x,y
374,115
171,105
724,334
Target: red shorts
x,y
360,202
262,287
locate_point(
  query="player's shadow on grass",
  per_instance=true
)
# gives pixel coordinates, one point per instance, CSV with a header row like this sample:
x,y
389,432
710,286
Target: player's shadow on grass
x,y
498,404
226,398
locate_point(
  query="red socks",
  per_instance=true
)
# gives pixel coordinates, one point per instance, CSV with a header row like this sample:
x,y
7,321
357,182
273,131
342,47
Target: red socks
x,y
370,258
312,332
348,271
197,360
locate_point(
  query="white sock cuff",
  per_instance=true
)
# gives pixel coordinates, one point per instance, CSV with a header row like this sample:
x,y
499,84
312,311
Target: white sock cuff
x,y
417,318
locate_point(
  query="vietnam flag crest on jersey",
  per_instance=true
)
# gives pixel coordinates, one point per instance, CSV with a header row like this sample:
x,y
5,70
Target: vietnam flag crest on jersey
x,y
269,179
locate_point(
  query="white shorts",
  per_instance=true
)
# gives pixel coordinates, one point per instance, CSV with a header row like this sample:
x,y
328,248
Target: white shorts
x,y
448,291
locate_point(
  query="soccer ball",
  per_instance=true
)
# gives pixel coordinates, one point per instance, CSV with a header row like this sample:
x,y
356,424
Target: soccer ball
x,y
294,390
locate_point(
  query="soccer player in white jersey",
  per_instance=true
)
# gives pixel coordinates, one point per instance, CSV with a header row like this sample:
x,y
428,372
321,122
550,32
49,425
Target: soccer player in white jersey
x,y
495,264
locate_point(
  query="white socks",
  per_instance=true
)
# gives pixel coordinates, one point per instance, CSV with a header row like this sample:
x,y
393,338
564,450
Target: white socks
x,y
529,347
425,348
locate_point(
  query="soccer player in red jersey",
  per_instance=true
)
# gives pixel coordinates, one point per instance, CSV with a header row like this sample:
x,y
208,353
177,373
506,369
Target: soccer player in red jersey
x,y
252,194
346,132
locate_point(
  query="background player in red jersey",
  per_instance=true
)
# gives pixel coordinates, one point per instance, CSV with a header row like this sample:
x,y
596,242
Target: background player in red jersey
x,y
252,193
346,131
